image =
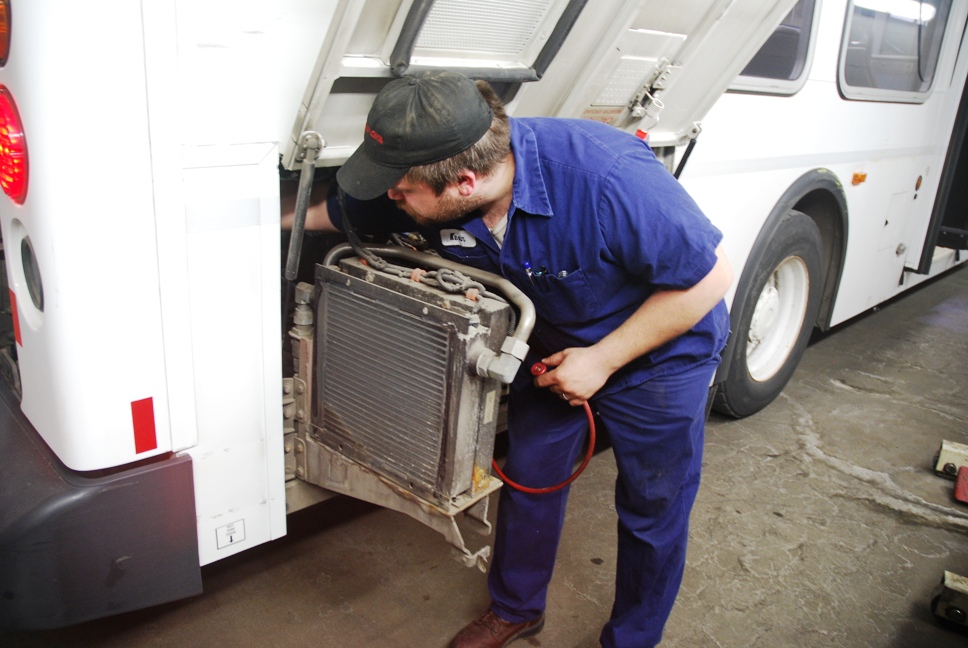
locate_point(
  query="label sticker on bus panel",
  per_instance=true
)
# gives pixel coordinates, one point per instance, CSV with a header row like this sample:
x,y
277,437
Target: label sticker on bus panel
x,y
230,534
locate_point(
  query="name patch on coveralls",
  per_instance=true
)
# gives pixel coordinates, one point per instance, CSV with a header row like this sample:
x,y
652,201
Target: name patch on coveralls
x,y
457,238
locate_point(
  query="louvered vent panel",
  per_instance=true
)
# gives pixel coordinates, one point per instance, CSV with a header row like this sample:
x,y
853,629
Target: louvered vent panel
x,y
496,28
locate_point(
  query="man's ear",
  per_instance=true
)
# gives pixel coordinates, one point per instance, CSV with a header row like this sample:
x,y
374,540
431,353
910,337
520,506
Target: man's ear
x,y
467,182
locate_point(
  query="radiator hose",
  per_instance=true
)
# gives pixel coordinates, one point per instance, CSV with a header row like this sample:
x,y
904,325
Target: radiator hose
x,y
537,369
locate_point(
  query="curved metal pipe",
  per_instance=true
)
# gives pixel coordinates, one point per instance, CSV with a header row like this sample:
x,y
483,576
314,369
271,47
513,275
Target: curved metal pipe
x,y
526,318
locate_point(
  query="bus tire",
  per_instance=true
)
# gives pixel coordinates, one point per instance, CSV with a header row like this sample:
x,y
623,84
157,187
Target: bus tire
x,y
772,317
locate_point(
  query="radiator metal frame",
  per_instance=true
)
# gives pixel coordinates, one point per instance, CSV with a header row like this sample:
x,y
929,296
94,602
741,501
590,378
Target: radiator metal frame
x,y
348,461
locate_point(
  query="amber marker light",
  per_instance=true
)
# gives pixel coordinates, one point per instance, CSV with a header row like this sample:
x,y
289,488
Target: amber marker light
x,y
4,31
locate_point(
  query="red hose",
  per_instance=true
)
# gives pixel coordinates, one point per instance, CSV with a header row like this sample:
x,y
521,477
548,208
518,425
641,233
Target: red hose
x,y
538,369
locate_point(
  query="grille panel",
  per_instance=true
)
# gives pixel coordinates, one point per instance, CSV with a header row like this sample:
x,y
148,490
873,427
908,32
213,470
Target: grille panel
x,y
508,30
393,390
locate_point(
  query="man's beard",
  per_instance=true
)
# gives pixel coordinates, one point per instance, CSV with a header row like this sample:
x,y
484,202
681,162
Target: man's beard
x,y
447,209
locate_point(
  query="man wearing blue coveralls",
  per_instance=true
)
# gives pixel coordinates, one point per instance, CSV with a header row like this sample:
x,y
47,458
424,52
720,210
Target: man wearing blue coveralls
x,y
627,278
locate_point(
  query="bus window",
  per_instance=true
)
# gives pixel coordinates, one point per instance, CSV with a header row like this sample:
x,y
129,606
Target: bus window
x,y
891,48
779,66
784,54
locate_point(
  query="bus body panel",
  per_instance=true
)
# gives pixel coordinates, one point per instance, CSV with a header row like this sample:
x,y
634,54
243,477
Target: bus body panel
x,y
91,359
754,146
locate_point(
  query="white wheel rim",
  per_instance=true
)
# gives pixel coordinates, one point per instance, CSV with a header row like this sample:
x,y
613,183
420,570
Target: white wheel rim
x,y
777,319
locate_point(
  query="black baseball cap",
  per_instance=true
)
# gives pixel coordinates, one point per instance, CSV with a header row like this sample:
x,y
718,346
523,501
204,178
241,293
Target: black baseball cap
x,y
419,119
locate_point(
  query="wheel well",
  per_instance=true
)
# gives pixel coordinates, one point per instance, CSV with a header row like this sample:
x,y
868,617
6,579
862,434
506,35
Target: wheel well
x,y
818,194
9,368
829,212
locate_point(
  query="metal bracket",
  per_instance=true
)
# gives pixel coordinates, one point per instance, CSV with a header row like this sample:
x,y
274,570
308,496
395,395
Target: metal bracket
x,y
310,144
289,426
645,103
340,474
301,401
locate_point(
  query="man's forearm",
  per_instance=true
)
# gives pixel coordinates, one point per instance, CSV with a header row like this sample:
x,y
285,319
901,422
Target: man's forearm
x,y
665,316
581,371
317,213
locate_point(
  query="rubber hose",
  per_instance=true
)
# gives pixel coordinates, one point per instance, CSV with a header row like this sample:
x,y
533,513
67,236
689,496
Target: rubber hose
x,y
537,369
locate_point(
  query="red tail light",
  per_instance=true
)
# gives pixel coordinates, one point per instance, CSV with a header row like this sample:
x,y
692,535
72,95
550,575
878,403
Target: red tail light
x,y
13,149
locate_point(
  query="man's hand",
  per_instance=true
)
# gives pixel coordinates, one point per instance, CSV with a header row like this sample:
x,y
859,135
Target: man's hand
x,y
577,374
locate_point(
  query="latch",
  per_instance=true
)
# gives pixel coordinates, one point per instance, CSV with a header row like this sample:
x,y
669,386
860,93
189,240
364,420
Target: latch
x,y
645,103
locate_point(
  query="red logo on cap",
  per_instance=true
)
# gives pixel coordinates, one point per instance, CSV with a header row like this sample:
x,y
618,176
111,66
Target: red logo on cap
x,y
372,133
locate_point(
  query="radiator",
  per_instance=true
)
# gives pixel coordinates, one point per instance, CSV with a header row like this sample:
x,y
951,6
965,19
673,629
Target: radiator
x,y
394,386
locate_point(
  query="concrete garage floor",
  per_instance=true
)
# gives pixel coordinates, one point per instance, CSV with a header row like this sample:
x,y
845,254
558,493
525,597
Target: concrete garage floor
x,y
819,524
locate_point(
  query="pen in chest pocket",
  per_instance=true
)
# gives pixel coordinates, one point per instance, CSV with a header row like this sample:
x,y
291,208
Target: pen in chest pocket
x,y
542,273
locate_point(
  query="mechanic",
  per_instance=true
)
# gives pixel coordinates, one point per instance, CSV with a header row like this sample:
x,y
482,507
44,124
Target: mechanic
x,y
627,277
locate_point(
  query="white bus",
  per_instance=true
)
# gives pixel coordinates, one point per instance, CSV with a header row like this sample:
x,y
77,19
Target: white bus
x,y
833,165
148,422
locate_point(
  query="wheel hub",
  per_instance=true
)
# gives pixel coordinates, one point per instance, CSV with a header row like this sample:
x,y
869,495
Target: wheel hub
x,y
777,318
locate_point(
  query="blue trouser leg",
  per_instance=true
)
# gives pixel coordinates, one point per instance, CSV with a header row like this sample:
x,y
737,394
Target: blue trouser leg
x,y
657,431
545,435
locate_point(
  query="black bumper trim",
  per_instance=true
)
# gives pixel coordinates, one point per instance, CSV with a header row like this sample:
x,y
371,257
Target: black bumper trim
x,y
79,546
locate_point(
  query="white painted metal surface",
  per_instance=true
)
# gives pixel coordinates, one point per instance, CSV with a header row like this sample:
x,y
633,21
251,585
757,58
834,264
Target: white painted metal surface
x,y
755,146
611,52
96,346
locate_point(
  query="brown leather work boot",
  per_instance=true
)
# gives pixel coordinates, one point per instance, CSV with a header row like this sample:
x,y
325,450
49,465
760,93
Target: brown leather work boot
x,y
491,631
